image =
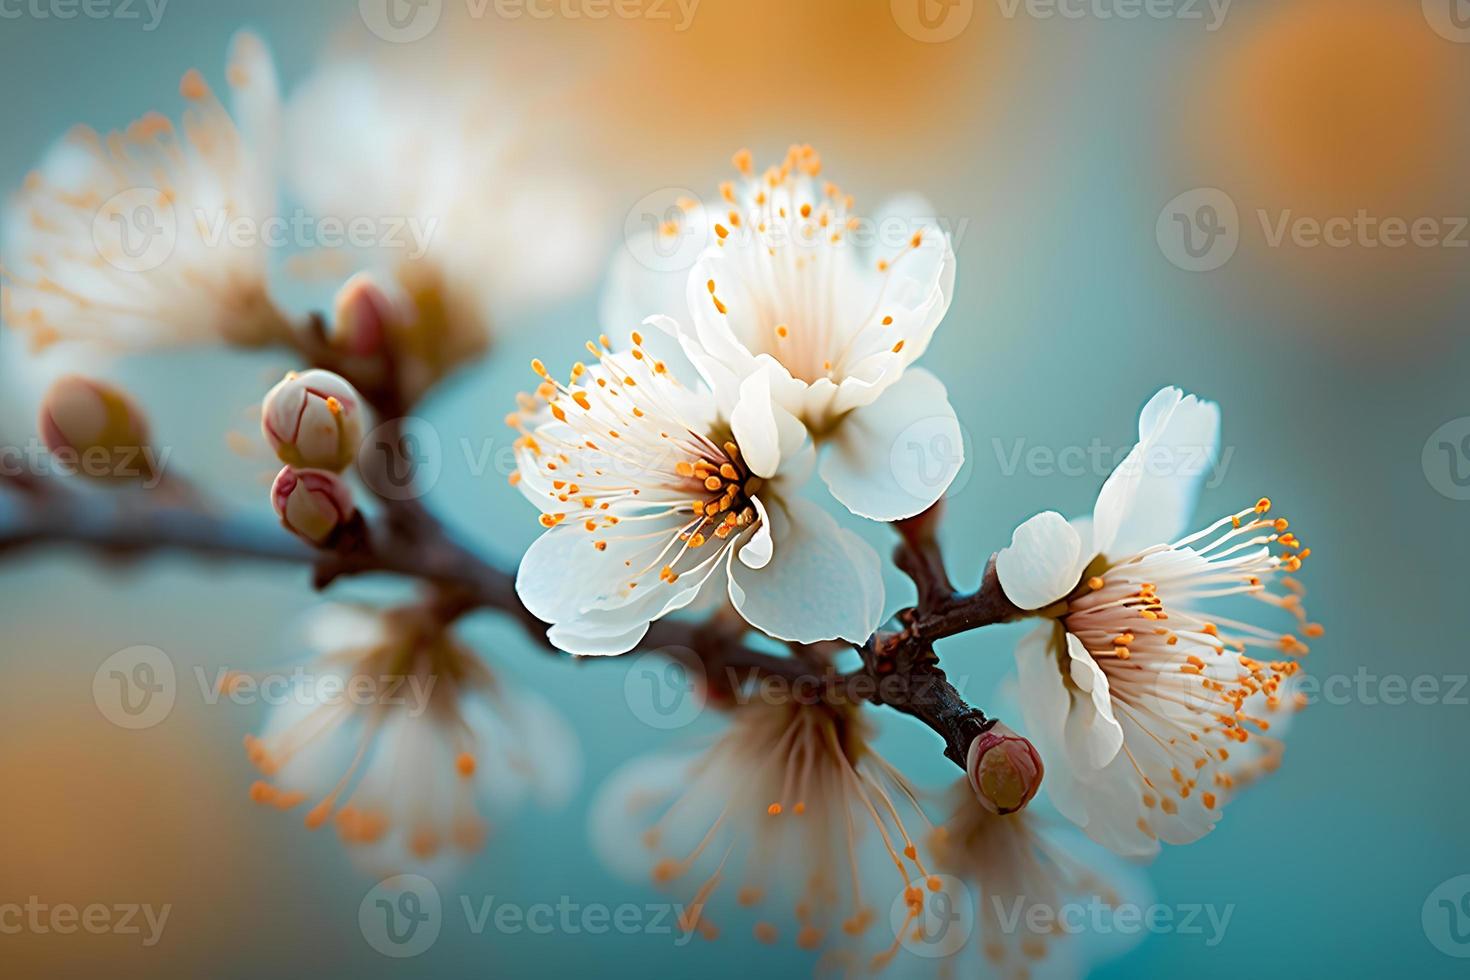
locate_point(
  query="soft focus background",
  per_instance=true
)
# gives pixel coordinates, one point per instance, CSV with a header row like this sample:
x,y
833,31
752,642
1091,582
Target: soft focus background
x,y
1055,138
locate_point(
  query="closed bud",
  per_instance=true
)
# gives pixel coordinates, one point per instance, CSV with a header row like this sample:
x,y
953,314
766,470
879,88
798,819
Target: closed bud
x,y
1004,770
312,504
313,420
96,429
364,315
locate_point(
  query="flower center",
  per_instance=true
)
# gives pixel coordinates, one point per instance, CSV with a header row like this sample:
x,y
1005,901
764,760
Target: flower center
x,y
1181,676
624,441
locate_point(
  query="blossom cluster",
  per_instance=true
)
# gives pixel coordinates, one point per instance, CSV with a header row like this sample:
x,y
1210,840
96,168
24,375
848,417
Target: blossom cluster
x,y
710,453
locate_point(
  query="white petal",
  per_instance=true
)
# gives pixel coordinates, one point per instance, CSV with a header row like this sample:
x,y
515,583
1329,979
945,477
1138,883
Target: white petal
x,y
892,459
757,552
1093,735
1041,691
760,426
582,638
722,381
584,594
1043,562
1182,448
822,583
1147,500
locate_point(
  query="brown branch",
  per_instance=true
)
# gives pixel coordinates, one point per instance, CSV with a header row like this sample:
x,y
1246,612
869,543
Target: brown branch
x,y
900,669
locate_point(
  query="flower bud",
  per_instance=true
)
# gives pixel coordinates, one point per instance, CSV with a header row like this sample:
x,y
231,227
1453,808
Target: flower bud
x,y
442,329
313,420
96,429
1004,770
312,504
364,315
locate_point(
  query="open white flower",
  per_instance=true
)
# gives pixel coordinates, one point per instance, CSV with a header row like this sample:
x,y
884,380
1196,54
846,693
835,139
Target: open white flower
x,y
1138,691
127,239
789,292
400,737
791,811
648,498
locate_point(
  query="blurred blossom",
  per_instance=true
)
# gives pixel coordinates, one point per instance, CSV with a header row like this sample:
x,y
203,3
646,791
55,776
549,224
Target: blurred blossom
x,y
362,314
783,815
122,239
1025,878
488,218
402,738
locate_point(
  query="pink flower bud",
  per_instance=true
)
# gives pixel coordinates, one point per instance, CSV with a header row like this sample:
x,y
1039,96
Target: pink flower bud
x,y
1004,770
364,315
96,429
313,420
312,504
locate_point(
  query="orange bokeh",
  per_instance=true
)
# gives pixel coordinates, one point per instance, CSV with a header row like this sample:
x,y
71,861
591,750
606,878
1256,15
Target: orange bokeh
x,y
1333,105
